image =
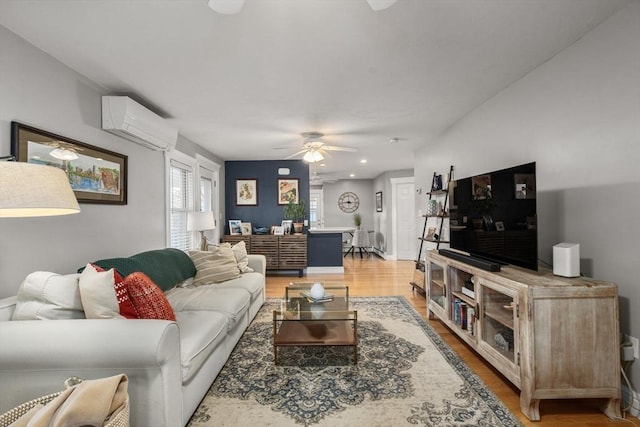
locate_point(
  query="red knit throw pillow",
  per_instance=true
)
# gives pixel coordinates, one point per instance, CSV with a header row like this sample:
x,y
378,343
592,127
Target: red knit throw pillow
x,y
147,298
125,305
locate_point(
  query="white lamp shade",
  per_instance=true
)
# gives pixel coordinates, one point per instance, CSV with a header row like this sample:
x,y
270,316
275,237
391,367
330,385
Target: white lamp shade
x,y
28,190
199,221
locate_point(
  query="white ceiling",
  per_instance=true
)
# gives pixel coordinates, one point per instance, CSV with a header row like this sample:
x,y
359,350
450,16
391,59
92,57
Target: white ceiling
x,y
242,84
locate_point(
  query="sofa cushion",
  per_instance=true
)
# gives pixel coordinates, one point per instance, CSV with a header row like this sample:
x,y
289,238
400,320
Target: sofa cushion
x,y
214,266
98,294
147,298
48,296
166,267
250,282
201,332
231,302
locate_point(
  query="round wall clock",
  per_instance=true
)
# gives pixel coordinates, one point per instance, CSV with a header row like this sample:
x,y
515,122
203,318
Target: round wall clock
x,y
348,202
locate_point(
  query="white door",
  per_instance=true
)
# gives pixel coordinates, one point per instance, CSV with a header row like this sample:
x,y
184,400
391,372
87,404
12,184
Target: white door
x,y
315,208
405,221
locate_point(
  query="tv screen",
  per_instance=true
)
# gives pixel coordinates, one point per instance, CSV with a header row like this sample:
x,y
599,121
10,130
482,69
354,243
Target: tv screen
x,y
493,216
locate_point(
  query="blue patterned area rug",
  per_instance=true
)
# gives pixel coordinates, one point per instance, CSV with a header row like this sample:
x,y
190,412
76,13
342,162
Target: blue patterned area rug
x,y
406,375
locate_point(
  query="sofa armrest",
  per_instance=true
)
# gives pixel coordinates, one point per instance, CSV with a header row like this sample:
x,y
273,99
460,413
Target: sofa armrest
x,y
37,356
258,263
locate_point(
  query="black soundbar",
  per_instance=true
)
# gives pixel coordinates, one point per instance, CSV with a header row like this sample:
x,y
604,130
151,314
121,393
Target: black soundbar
x,y
481,263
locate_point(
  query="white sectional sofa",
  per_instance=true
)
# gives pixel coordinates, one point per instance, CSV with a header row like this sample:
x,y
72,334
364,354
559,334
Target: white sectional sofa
x,y
170,365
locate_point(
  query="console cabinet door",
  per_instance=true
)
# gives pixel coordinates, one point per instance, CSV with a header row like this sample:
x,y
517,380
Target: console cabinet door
x,y
499,327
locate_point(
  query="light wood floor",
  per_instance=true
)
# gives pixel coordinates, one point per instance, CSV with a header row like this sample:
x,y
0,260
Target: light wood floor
x,y
376,277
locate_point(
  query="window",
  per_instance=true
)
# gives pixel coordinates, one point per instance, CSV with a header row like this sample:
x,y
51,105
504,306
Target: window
x,y
181,203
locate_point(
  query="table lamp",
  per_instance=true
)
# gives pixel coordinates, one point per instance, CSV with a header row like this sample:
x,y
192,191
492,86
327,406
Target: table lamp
x,y
29,190
201,221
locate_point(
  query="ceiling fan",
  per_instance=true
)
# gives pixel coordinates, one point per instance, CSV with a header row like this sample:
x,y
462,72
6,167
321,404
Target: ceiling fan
x,y
231,7
314,149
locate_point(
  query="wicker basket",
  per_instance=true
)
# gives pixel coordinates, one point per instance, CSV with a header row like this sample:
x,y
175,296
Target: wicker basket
x,y
119,419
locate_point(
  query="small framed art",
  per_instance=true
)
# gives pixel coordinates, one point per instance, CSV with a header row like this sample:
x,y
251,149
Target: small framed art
x,y
499,226
379,201
247,192
245,228
235,227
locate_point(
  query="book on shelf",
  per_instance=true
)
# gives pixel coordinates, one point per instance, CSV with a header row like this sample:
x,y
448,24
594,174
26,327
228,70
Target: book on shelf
x,y
467,289
309,298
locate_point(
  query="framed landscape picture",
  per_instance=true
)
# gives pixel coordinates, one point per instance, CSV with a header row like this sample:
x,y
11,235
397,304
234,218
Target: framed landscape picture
x,y
247,192
235,227
96,175
288,191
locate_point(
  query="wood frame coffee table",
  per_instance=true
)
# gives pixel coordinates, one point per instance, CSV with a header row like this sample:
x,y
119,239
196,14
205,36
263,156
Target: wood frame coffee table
x,y
300,322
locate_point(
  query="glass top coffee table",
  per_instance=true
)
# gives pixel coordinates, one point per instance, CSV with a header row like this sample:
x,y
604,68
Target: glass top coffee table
x,y
303,321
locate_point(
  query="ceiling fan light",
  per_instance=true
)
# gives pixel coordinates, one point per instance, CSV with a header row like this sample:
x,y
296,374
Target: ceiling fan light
x,y
312,156
226,7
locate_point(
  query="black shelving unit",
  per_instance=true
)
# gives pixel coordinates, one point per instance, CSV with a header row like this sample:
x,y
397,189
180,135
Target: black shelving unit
x,y
437,190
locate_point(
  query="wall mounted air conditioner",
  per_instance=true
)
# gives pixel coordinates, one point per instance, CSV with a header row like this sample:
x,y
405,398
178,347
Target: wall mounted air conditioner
x,y
126,118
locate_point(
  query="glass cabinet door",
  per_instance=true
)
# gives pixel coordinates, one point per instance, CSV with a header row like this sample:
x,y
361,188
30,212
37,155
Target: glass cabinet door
x,y
437,292
498,313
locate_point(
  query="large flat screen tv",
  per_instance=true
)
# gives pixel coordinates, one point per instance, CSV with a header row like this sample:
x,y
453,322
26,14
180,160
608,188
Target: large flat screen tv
x,y
493,216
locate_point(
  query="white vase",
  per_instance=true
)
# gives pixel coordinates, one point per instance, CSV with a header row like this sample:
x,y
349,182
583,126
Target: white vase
x,y
317,291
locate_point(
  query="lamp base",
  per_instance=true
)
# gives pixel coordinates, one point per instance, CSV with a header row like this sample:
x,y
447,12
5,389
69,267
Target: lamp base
x,y
203,241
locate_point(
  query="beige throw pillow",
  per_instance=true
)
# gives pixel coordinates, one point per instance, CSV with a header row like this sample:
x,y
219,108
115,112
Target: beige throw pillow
x,y
214,266
240,252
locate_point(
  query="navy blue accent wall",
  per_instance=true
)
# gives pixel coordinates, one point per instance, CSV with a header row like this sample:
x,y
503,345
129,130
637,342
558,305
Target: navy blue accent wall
x,y
324,250
268,212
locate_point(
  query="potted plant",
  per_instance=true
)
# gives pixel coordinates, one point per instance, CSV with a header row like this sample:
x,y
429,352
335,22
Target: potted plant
x,y
295,212
357,220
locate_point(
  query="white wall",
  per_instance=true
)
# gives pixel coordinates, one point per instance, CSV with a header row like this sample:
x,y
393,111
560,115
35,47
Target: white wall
x,y
383,227
40,91
334,217
578,117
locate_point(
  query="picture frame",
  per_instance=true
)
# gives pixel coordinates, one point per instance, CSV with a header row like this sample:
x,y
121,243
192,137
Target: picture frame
x,y
488,222
247,192
288,191
499,226
235,227
287,224
379,201
431,233
96,175
524,185
481,187
278,230
245,228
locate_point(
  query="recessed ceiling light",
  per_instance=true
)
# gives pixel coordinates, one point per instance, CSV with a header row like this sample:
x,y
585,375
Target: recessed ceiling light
x,y
352,175
363,161
322,164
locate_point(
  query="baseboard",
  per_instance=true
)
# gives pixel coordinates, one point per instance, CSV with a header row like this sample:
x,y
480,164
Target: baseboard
x,y
629,395
325,270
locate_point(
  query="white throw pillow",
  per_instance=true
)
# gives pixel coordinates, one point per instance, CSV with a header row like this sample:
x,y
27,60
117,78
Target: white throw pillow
x,y
98,295
240,252
48,296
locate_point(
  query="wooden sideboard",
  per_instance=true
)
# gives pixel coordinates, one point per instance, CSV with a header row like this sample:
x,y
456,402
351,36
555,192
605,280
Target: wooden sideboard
x,y
287,252
552,337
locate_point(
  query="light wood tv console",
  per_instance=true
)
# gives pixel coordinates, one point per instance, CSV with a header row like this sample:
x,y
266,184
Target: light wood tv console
x,y
552,337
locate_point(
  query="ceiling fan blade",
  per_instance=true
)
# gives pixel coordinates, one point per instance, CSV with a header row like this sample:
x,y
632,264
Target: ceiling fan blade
x,y
227,7
334,148
295,154
380,4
